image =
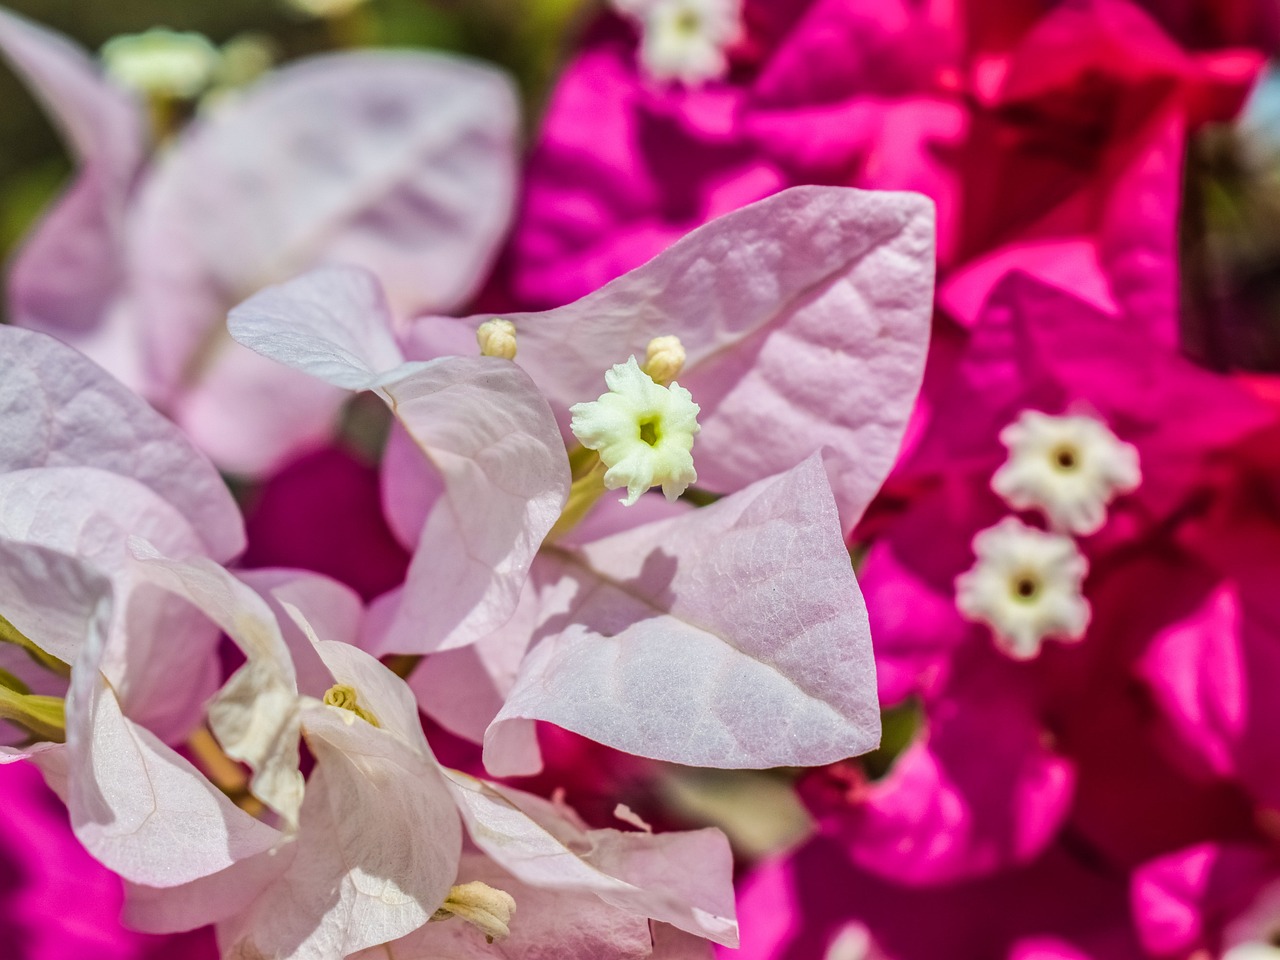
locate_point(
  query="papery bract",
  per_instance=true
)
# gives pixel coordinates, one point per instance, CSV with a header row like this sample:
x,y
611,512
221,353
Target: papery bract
x,y
777,675
478,421
804,319
389,160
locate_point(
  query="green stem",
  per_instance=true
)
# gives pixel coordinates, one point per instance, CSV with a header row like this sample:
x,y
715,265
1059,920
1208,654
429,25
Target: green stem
x,y
44,716
587,487
11,634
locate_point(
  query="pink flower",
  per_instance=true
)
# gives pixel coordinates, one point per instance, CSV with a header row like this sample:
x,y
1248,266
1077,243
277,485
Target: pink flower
x,y
1049,136
402,163
815,904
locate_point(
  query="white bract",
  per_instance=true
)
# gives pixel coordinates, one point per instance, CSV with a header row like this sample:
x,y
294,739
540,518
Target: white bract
x,y
1069,467
162,63
684,40
643,432
1025,585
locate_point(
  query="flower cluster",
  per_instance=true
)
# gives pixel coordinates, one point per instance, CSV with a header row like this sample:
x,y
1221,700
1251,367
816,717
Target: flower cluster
x,y
884,322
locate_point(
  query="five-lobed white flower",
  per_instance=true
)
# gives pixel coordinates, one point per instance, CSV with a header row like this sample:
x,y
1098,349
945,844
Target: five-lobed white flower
x,y
1025,585
1069,467
162,63
642,430
684,40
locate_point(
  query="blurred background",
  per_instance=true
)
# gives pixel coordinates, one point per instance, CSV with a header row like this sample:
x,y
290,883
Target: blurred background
x,y
527,37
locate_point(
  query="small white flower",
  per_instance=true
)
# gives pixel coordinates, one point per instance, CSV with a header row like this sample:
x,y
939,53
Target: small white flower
x,y
321,9
1025,585
162,63
684,40
1069,467
643,432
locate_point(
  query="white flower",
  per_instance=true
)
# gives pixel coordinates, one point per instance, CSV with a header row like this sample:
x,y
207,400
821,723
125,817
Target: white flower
x,y
321,9
1025,585
1069,467
684,40
643,432
162,63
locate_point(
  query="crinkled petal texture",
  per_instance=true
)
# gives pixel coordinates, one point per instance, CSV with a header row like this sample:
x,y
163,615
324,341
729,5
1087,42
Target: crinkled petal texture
x,y
487,430
379,838
162,661
549,924
255,716
58,409
70,270
479,422
138,806
680,878
401,163
642,647
333,323
805,320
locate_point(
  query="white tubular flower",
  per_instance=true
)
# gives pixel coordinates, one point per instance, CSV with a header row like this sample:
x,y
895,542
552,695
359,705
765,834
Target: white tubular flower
x,y
162,63
1069,467
643,432
684,40
1025,585
497,338
322,9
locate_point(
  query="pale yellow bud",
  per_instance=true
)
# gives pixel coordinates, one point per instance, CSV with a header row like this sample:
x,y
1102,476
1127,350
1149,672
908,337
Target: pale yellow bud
x,y
664,359
486,908
497,338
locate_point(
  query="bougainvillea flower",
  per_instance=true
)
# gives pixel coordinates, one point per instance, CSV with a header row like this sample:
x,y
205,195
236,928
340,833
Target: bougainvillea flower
x,y
759,687
479,421
1049,135
1212,897
399,162
376,786
86,464
814,903
1039,347
851,278
804,319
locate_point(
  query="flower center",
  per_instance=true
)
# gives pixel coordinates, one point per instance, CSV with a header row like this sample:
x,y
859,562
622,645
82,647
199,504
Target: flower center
x,y
688,23
1066,458
649,431
344,697
1025,586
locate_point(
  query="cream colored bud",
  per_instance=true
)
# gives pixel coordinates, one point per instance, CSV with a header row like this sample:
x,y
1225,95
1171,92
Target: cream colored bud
x,y
497,338
486,908
664,359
